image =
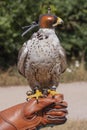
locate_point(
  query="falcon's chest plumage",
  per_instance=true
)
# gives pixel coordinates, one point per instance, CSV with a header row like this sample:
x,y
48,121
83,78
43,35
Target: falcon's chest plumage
x,y
43,46
42,59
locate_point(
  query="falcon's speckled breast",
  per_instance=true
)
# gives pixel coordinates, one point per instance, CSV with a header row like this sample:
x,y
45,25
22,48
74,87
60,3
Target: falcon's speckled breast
x,y
42,59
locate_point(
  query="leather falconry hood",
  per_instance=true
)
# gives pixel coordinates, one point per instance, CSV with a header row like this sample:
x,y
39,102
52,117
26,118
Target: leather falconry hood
x,y
49,20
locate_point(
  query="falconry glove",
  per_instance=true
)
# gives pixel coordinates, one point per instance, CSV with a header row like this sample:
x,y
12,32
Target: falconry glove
x,y
32,115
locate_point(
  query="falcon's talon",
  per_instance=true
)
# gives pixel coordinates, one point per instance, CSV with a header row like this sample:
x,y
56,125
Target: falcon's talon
x,y
28,93
27,99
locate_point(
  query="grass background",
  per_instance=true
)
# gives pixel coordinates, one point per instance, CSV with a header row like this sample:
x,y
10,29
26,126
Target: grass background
x,y
70,125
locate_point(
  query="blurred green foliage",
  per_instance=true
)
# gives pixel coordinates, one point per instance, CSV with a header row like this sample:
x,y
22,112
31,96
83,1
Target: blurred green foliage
x,y
18,13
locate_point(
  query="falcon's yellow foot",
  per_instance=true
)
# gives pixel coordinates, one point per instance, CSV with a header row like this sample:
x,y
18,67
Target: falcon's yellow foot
x,y
36,95
52,92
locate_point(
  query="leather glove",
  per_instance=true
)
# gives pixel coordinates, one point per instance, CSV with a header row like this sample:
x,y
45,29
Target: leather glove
x,y
32,115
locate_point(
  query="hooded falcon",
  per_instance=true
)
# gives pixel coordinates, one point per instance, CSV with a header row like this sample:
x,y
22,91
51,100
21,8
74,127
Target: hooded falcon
x,y
42,59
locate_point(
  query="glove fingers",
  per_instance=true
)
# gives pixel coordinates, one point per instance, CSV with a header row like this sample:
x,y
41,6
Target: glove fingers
x,y
54,120
57,121
57,113
48,110
32,106
62,104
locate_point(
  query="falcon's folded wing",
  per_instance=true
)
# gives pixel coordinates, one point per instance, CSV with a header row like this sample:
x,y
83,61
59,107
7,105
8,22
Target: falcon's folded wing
x,y
21,59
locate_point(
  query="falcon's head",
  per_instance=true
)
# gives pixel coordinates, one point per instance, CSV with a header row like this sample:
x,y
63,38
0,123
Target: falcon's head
x,y
45,21
49,21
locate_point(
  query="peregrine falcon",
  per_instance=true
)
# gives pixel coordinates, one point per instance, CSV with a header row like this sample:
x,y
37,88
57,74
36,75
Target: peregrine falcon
x,y
42,59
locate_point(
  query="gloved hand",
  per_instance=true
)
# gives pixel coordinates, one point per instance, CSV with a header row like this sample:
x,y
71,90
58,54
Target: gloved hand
x,y
31,115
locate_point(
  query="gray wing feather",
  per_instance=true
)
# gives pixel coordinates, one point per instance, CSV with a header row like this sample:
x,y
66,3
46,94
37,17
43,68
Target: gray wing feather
x,y
22,58
62,57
